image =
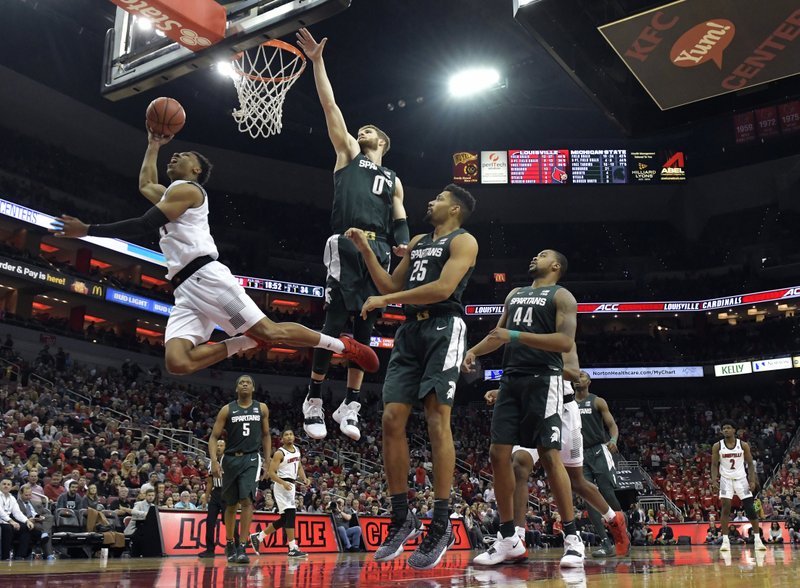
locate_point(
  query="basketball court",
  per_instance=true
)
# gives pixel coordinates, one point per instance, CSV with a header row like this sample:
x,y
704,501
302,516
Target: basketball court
x,y
690,566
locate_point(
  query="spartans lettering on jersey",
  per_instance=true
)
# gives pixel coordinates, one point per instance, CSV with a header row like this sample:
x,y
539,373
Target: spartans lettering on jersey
x,y
586,411
535,300
427,252
370,165
245,417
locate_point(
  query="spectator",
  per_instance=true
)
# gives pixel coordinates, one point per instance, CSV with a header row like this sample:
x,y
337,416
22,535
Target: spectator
x,y
41,534
70,503
185,503
139,512
775,534
350,536
13,524
55,487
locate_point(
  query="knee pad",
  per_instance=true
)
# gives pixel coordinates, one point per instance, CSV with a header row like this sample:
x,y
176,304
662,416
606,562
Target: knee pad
x,y
279,524
288,516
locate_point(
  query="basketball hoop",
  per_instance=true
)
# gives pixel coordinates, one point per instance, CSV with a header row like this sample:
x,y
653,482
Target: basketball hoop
x,y
262,81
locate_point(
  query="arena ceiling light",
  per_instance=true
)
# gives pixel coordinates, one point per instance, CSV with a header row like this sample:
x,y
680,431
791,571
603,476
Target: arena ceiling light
x,y
472,81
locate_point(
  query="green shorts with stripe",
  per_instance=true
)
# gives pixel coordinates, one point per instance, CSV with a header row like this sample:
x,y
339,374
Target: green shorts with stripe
x,y
598,465
240,475
348,284
528,410
426,357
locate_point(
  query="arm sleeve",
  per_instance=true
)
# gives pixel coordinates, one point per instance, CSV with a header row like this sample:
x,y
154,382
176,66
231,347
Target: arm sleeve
x,y
400,231
132,227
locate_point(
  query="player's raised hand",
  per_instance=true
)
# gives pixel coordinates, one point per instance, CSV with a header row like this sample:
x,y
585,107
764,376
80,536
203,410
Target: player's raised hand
x,y
491,396
468,365
68,227
309,45
158,140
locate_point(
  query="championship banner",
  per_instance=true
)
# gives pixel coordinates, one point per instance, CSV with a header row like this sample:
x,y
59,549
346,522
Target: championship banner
x,y
375,529
644,307
184,533
688,51
465,167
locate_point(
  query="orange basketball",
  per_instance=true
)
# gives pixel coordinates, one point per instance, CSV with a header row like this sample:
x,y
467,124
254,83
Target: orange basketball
x,y
165,116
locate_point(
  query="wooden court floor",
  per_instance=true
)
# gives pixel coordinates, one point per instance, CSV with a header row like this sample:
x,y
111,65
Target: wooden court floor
x,y
668,567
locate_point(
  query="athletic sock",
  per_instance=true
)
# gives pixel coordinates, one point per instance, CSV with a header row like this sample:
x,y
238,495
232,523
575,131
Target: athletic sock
x,y
352,396
400,506
330,343
441,509
507,529
292,544
261,536
235,345
610,515
570,528
315,389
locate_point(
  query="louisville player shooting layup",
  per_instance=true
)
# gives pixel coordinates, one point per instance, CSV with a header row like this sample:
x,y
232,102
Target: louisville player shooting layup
x,y
206,293
728,459
246,424
367,196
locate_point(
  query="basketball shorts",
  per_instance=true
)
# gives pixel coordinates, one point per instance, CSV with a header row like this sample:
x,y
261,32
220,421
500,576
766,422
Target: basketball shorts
x,y
348,283
728,487
211,297
571,438
598,464
284,498
240,476
528,410
426,358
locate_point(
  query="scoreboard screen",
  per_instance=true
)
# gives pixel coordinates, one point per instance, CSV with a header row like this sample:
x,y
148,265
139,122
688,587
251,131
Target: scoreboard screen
x,y
599,166
539,166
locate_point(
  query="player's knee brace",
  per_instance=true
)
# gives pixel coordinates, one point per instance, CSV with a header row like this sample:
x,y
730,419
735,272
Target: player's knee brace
x,y
749,508
279,524
289,515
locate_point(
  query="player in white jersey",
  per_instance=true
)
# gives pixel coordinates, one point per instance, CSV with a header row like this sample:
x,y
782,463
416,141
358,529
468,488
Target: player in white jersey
x,y
206,293
525,459
285,469
728,459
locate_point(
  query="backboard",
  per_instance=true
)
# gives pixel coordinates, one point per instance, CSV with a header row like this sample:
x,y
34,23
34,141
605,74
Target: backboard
x,y
139,56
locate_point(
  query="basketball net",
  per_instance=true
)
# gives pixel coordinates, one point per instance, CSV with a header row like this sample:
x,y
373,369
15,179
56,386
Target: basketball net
x,y
262,78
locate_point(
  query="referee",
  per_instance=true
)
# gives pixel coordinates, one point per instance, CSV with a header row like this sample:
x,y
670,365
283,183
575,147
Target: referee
x,y
215,506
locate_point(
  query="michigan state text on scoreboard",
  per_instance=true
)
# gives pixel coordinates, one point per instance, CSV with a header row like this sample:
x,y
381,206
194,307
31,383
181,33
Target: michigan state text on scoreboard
x,y
674,306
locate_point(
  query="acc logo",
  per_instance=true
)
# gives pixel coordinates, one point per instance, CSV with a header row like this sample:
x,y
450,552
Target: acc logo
x,y
607,308
792,293
704,42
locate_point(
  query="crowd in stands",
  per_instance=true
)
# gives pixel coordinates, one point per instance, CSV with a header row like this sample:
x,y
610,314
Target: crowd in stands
x,y
98,437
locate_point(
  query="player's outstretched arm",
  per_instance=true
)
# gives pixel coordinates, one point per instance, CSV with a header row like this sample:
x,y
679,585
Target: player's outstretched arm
x,y
488,344
148,174
344,143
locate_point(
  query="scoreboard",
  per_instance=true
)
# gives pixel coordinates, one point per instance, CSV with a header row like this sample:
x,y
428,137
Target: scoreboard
x,y
574,166
539,166
599,166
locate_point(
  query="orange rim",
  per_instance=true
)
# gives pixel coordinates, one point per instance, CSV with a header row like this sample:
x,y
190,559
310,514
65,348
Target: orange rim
x,y
277,43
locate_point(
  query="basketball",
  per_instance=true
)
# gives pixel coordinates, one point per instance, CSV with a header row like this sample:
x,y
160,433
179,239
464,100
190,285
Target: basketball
x,y
165,116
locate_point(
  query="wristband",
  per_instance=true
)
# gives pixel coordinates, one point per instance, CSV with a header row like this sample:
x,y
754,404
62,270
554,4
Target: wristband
x,y
613,440
514,335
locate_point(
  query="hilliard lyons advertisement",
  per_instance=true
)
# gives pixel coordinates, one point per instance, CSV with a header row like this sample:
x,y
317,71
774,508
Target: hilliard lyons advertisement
x,y
692,50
